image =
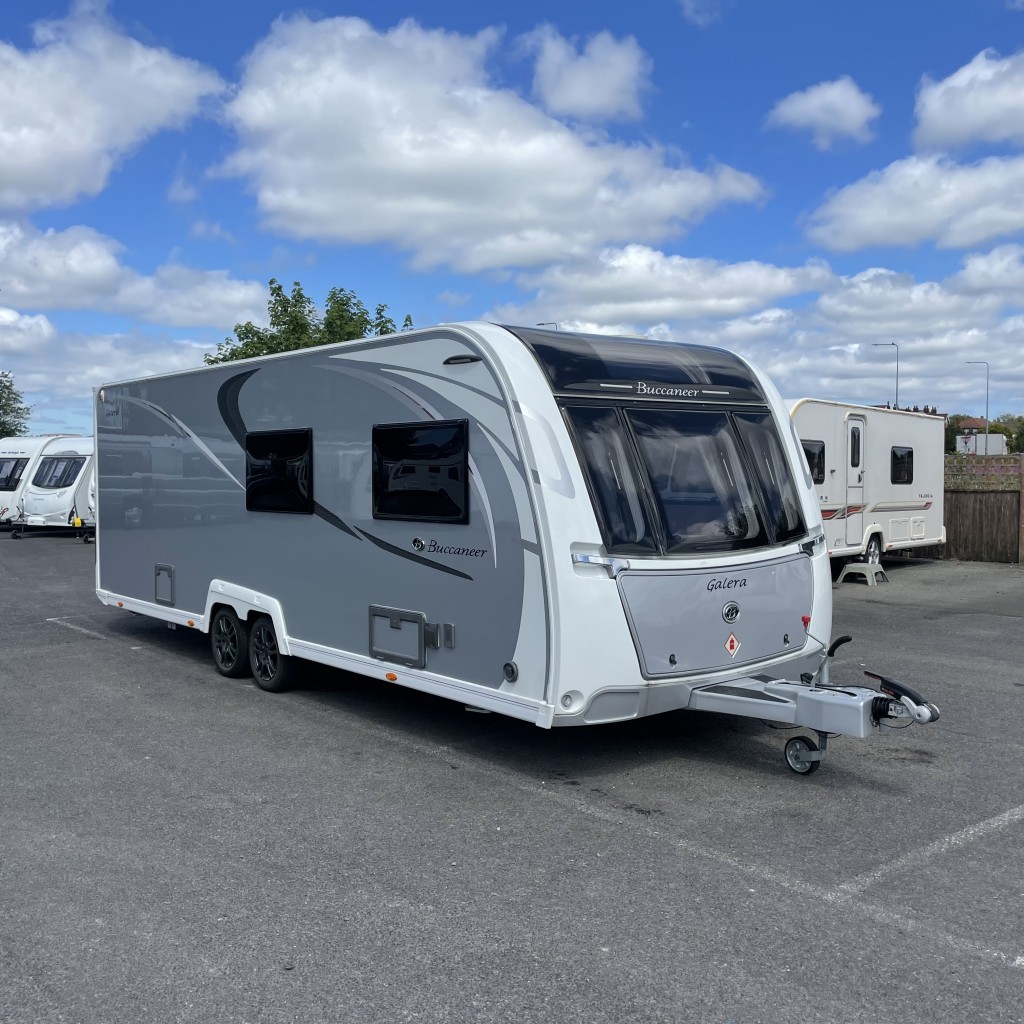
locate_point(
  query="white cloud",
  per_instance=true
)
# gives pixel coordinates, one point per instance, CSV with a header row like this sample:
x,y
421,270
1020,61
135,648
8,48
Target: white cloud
x,y
22,333
60,388
925,198
211,231
640,286
886,305
702,12
830,111
348,135
79,100
181,190
80,269
604,82
981,102
999,272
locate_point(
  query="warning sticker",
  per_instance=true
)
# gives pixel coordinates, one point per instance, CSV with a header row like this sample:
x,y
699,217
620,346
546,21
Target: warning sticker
x,y
732,645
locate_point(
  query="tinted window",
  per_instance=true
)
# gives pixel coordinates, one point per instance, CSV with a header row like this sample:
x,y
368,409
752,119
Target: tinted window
x,y
10,473
763,447
611,471
279,471
421,471
703,486
585,362
814,452
58,471
855,447
902,466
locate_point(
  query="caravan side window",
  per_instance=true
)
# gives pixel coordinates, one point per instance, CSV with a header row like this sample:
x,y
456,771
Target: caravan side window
x,y
10,473
421,471
279,471
902,468
814,452
855,447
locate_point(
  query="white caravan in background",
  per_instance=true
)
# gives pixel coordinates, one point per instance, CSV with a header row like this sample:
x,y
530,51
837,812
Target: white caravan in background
x,y
563,528
878,474
18,459
57,492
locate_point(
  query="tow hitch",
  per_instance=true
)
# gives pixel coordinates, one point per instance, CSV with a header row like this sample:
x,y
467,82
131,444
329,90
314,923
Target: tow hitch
x,y
814,703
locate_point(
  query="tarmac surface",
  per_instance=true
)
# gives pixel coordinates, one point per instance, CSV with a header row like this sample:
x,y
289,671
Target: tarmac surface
x,y
176,846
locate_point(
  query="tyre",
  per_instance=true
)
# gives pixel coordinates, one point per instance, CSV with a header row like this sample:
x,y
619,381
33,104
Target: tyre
x,y
229,644
796,748
873,551
271,669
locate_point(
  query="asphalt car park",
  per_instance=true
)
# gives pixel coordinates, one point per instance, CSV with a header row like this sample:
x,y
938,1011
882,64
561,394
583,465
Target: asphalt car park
x,y
176,846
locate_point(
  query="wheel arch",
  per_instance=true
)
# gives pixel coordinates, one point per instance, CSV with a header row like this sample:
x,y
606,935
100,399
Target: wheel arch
x,y
247,604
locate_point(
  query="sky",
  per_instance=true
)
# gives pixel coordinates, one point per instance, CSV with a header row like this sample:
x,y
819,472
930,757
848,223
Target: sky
x,y
825,188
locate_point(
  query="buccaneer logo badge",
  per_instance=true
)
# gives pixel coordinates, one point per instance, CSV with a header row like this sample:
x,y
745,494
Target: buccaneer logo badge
x,y
731,612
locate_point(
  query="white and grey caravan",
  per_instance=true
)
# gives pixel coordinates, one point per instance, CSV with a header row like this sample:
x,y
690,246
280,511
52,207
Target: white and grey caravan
x,y
18,459
57,493
879,475
563,528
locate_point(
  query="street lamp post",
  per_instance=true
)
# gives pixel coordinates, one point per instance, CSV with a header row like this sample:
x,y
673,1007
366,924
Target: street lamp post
x,y
895,346
981,362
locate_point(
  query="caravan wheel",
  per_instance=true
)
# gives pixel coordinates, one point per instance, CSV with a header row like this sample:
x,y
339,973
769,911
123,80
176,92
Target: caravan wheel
x,y
271,669
229,642
873,552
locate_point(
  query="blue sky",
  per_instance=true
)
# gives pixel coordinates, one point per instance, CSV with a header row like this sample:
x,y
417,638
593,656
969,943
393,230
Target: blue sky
x,y
801,181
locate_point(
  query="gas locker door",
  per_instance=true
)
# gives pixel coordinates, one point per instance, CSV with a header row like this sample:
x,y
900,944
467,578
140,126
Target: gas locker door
x,y
855,449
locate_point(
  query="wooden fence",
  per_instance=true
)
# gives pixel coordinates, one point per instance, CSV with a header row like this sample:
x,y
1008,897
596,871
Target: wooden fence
x,y
984,512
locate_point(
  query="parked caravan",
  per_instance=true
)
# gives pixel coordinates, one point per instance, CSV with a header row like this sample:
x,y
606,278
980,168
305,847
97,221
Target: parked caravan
x,y
878,475
563,528
57,494
18,459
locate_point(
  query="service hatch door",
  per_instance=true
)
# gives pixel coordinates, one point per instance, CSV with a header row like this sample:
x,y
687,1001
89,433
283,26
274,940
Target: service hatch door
x,y
689,621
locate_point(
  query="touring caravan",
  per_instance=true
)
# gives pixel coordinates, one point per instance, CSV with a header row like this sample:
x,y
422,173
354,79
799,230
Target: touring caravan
x,y
563,528
57,493
878,475
18,459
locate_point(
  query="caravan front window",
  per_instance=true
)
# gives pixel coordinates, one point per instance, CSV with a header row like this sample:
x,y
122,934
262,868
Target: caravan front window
x,y
10,473
764,449
706,479
613,479
701,483
58,471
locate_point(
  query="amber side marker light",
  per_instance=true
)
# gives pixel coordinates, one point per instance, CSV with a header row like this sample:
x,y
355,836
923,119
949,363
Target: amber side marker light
x,y
120,604
391,677
191,622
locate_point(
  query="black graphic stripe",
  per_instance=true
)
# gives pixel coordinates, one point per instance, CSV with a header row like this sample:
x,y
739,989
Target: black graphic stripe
x,y
227,403
329,517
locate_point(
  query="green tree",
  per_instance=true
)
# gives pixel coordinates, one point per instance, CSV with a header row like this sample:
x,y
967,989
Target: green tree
x,y
1015,426
294,323
14,412
952,429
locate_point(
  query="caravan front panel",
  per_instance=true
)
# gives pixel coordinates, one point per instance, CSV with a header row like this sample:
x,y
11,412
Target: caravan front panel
x,y
707,620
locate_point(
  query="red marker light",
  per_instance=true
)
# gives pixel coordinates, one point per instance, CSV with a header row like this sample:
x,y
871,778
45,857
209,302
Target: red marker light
x,y
806,620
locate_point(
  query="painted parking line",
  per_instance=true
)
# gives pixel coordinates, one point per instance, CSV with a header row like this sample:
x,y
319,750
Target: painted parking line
x,y
916,858
62,621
